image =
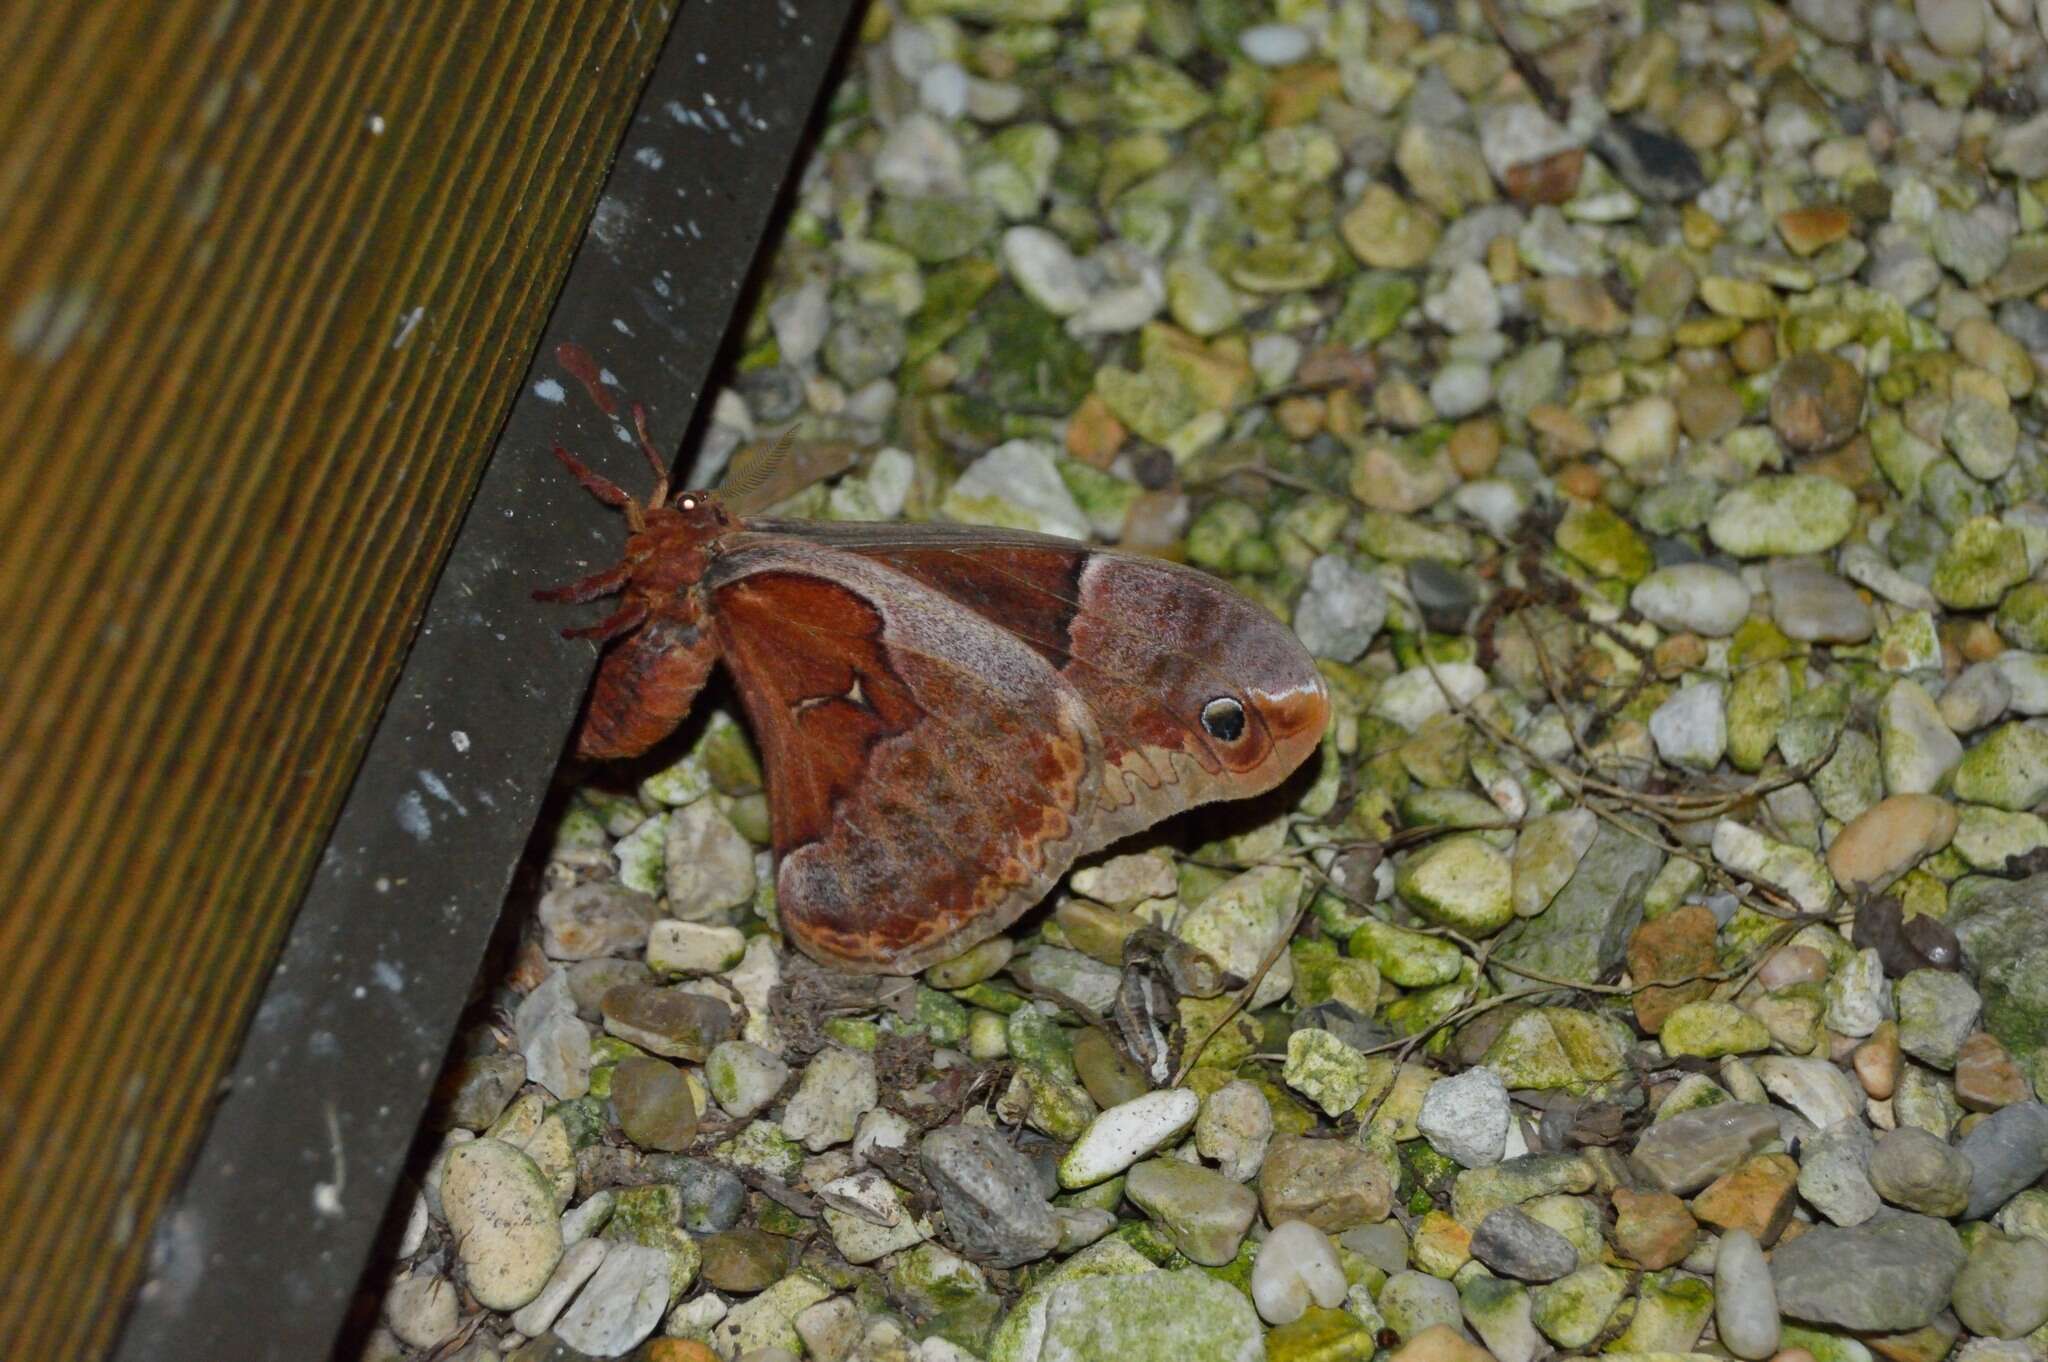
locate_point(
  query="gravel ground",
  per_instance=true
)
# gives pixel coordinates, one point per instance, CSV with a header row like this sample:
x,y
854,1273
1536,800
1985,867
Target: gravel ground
x,y
1639,419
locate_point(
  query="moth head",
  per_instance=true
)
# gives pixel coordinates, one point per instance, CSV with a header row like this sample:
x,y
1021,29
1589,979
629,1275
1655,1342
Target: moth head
x,y
666,552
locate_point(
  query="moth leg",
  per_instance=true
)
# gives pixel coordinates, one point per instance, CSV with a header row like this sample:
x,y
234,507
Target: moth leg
x,y
625,619
644,689
588,588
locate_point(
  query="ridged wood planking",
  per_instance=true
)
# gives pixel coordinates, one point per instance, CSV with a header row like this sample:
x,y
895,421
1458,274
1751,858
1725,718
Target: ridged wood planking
x,y
268,275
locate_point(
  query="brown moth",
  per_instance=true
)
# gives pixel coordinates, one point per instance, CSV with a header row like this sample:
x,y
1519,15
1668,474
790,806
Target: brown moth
x,y
949,715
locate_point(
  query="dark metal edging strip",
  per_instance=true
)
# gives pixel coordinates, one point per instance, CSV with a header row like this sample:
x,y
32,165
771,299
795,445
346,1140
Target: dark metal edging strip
x,y
259,1253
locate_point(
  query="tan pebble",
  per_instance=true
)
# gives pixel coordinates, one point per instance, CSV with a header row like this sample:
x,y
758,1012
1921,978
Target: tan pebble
x,y
1653,1229
1980,642
1679,654
1888,839
1792,1355
1756,1195
1503,260
1806,230
1793,965
1580,481
1094,435
1754,349
1474,446
1876,1061
1817,401
1440,1343
1560,433
1987,1077
1300,417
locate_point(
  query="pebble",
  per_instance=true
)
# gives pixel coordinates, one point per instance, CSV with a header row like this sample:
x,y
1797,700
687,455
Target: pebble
x,y
837,1089
1785,514
1126,1133
1204,1213
2007,1151
1894,1272
1938,1009
1333,1185
1987,1077
1817,401
655,1107
1515,1245
1812,604
2002,1291
1888,839
621,1304
1297,1266
1466,1118
1683,1153
1814,1088
1745,1302
578,1262
501,1209
1920,1172
1691,728
667,1021
1234,1128
584,921
421,1308
1341,611
1834,1172
743,1077
1696,597
1653,1228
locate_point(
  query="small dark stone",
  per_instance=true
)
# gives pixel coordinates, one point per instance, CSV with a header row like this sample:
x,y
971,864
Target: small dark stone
x,y
994,1208
1904,946
864,344
653,1102
1106,1072
1660,168
713,1197
1671,552
474,1093
1515,1244
773,392
590,980
744,1261
1444,594
1345,1023
668,1021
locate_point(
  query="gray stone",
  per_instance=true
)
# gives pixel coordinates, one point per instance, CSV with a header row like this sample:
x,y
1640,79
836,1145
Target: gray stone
x,y
1205,1213
1892,1273
1834,1172
1745,1301
1937,1011
1813,604
996,1212
621,1303
2002,1291
1919,1171
1466,1118
1584,933
1999,925
1514,1244
1684,1153
1691,728
1341,611
602,917
2007,1150
1413,1301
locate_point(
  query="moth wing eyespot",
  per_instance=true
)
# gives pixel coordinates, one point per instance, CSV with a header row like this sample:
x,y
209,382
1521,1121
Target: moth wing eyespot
x,y
1223,719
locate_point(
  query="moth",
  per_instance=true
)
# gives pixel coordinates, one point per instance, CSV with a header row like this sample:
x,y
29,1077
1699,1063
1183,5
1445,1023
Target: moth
x,y
949,715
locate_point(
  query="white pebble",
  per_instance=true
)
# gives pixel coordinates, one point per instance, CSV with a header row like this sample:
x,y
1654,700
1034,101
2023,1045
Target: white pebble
x,y
1745,1302
1296,1266
1696,597
943,90
1465,1118
1126,1133
1274,44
